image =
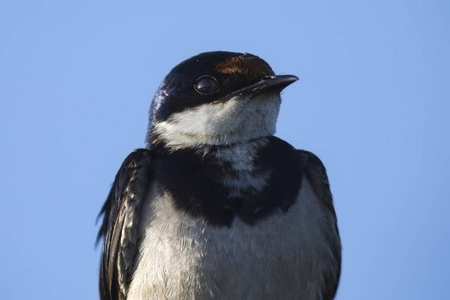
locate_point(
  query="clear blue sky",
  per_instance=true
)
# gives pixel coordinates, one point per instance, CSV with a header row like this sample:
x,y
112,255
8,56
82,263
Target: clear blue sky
x,y
77,78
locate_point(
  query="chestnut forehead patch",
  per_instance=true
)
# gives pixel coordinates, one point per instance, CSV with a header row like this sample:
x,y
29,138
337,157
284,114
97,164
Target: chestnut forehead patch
x,y
250,66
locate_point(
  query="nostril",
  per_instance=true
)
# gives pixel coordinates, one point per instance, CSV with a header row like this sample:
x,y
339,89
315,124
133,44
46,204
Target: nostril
x,y
267,77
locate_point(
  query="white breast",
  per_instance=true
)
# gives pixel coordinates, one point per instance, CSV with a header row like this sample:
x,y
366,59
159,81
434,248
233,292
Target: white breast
x,y
280,257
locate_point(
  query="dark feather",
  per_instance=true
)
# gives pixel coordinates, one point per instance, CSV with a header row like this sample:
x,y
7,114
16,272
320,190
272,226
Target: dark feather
x,y
119,228
189,175
316,174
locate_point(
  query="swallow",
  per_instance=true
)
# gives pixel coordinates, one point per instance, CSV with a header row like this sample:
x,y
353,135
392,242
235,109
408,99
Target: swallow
x,y
215,206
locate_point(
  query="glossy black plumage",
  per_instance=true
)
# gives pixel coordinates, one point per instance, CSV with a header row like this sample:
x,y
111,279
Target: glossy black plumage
x,y
177,90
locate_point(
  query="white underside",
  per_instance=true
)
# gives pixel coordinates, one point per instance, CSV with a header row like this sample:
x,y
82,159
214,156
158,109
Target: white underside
x,y
278,258
235,120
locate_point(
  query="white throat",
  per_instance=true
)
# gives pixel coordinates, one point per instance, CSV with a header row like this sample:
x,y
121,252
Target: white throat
x,y
238,119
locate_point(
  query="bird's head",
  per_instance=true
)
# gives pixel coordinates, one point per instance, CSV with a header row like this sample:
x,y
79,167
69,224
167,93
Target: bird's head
x,y
216,98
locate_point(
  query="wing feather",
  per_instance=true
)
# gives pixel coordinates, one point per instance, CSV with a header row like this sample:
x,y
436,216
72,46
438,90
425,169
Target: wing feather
x,y
120,224
316,173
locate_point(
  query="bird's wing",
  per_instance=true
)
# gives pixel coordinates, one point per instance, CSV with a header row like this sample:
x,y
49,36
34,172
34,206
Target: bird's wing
x,y
120,224
317,176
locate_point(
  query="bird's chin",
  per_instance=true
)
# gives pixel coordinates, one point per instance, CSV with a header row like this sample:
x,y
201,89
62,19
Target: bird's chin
x,y
235,121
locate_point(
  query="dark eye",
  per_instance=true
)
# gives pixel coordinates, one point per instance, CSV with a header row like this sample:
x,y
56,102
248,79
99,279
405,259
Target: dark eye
x,y
206,85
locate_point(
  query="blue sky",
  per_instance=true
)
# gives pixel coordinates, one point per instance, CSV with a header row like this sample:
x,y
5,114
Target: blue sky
x,y
77,78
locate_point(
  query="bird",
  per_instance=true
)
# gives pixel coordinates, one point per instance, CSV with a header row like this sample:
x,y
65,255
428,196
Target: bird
x,y
215,206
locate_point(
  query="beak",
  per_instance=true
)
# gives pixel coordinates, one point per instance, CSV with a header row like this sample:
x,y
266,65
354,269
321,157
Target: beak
x,y
269,83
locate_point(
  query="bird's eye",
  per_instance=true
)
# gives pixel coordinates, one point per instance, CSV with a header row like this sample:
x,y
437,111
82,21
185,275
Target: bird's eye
x,y
206,85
